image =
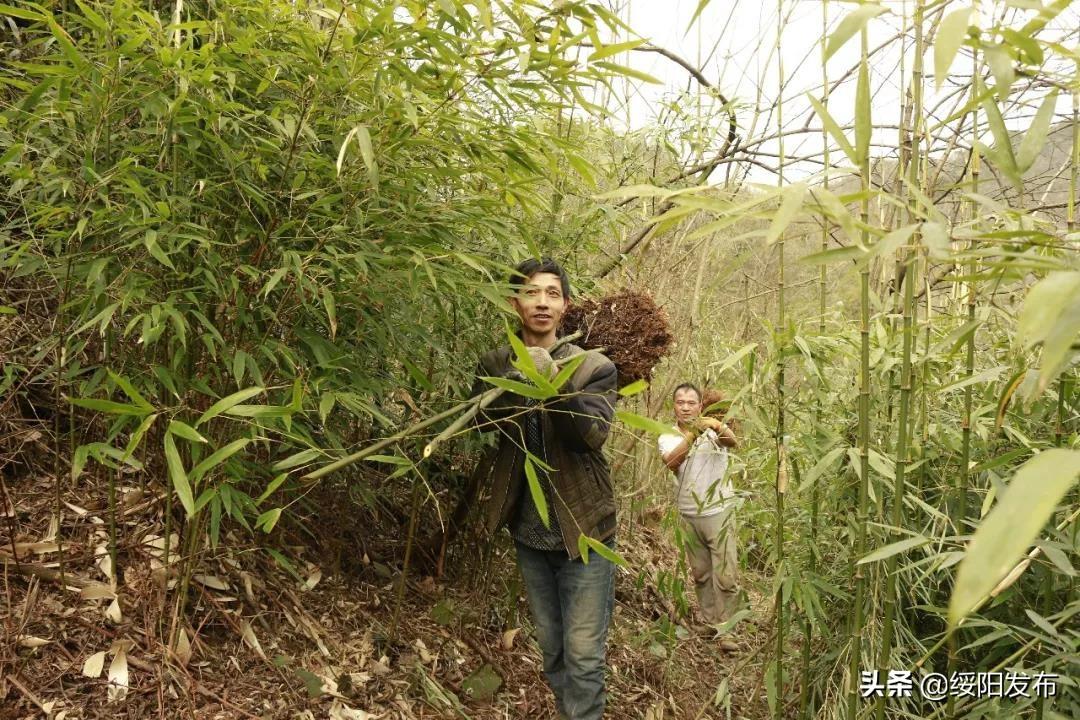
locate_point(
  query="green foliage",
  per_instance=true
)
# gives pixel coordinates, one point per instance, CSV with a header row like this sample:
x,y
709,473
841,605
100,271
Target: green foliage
x,y
307,205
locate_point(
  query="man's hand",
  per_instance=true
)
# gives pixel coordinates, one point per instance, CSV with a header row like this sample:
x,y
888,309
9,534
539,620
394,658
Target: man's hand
x,y
542,360
710,423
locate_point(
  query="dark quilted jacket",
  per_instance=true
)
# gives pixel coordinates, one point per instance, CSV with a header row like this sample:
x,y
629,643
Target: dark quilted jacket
x,y
575,426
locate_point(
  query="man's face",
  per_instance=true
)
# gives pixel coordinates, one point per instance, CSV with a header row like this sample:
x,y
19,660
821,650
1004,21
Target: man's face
x,y
687,405
540,303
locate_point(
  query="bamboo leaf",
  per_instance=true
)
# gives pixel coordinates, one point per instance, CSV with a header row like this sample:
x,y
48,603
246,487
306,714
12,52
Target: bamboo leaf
x,y
629,72
367,152
603,551
821,466
182,429
852,23
299,458
697,13
951,34
271,487
1006,397
109,406
178,476
1003,538
519,388
733,358
1002,152
1051,316
1001,67
268,519
864,127
988,375
20,13
130,391
834,130
614,49
789,206
640,422
634,388
567,371
228,402
893,549
834,255
1036,133
536,492
217,457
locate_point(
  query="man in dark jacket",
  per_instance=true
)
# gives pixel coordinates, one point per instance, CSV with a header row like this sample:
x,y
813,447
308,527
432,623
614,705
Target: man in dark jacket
x,y
570,599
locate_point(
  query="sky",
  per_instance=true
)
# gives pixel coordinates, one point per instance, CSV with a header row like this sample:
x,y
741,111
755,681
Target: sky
x,y
733,42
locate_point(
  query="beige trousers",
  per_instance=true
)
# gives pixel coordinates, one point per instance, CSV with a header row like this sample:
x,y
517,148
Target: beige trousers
x,y
710,549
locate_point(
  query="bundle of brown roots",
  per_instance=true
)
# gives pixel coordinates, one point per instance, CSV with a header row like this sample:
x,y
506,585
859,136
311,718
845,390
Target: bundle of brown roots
x,y
629,325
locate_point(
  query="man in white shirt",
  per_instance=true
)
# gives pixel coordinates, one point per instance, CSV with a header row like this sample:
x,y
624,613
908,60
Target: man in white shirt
x,y
697,452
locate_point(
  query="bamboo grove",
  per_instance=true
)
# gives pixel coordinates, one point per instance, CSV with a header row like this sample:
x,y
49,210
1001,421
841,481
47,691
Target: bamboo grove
x,y
239,241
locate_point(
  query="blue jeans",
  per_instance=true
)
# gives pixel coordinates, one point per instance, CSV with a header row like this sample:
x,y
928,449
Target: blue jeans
x,y
571,608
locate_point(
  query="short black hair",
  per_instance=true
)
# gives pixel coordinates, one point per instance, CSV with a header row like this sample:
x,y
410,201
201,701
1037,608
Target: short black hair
x,y
687,386
530,267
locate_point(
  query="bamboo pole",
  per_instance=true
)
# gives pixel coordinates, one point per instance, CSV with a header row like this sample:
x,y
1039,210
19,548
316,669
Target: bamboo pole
x,y
781,322
472,405
862,520
963,479
906,264
806,699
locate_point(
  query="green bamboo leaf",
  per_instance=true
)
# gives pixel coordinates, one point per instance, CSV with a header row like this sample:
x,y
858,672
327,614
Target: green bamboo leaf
x,y
864,127
1026,43
536,492
567,371
604,551
821,466
271,487
988,375
299,458
367,152
1002,152
892,242
852,23
137,436
217,457
20,13
951,34
520,388
1001,67
1036,133
640,422
789,207
391,459
130,391
182,429
614,49
834,255
732,359
227,402
1007,532
834,130
634,388
583,167
697,13
331,310
894,549
109,406
268,519
629,72
178,476
260,411
1051,316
